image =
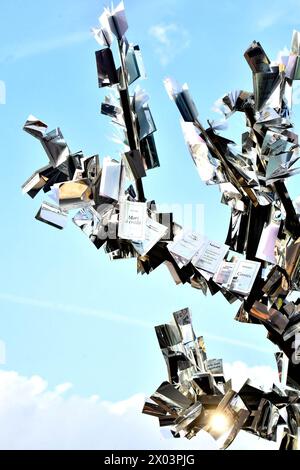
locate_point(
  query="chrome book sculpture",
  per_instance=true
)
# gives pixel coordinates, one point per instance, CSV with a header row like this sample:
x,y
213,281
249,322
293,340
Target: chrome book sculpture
x,y
258,265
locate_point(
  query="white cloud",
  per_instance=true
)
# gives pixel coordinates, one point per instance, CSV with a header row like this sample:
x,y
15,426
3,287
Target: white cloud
x,y
23,51
239,372
283,52
170,39
34,417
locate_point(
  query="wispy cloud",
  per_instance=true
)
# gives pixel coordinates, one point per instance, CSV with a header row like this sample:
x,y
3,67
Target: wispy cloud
x,y
112,317
275,12
13,53
269,19
171,39
236,342
33,416
74,309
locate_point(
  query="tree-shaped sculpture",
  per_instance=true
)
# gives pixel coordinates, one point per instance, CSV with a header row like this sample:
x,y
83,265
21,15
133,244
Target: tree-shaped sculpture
x,y
258,265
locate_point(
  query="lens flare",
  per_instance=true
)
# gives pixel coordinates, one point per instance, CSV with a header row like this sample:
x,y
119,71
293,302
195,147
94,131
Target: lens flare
x,y
219,422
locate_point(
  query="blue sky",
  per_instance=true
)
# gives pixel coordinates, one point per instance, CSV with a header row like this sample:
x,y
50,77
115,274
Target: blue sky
x,y
68,314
